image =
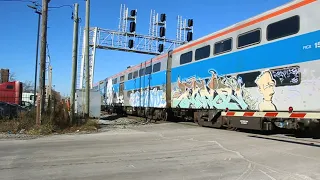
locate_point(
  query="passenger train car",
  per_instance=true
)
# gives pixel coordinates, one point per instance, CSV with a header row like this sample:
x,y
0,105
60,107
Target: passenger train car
x,y
260,74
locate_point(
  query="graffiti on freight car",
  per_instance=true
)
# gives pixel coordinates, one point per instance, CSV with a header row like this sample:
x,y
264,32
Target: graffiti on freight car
x,y
145,98
214,92
287,76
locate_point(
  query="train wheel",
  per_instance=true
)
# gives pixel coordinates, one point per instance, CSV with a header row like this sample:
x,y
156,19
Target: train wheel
x,y
165,115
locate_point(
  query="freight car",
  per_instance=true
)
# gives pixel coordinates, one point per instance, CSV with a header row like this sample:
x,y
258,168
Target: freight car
x,y
258,74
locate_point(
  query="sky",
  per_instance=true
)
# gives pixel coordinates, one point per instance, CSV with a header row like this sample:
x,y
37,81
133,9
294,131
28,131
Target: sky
x,y
18,31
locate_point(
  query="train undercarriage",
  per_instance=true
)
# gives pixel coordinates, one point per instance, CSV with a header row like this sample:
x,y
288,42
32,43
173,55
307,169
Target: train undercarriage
x,y
217,119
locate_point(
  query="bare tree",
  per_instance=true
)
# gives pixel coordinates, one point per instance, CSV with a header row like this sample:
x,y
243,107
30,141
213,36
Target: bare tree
x,y
28,86
12,77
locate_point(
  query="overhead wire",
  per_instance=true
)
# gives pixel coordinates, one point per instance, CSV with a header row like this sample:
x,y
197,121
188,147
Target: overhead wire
x,y
18,1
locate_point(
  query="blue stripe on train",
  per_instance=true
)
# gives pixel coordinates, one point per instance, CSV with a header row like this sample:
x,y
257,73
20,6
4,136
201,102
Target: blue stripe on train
x,y
279,53
157,79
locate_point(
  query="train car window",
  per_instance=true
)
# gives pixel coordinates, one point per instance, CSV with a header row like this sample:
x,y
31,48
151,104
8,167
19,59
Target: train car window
x,y
121,89
249,38
223,46
157,67
135,74
141,72
186,57
248,79
122,78
283,28
115,81
202,52
149,70
10,87
129,76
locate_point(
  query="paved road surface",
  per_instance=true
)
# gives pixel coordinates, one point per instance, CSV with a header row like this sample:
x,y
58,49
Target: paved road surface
x,y
159,151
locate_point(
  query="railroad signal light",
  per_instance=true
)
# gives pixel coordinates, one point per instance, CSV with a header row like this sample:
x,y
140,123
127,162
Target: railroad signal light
x,y
132,26
160,48
290,109
189,36
163,17
162,31
190,22
130,43
133,12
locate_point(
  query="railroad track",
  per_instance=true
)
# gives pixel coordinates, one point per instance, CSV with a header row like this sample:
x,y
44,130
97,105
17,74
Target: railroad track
x,y
284,137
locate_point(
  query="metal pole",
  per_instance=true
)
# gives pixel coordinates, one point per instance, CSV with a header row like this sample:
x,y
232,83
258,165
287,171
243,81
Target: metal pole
x,y
49,88
43,48
37,55
87,60
49,93
74,62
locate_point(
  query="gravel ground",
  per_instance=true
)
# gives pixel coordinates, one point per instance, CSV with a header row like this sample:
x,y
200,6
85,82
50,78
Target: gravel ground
x,y
107,123
17,136
110,122
158,151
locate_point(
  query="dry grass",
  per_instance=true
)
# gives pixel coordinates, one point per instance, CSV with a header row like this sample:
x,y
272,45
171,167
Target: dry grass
x,y
88,126
56,120
9,126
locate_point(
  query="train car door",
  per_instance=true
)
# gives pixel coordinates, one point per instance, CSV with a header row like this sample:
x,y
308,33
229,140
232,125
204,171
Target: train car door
x,y
168,80
141,84
121,93
149,79
136,80
121,90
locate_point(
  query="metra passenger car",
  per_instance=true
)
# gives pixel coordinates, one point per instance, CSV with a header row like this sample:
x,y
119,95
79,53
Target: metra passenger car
x,y
258,74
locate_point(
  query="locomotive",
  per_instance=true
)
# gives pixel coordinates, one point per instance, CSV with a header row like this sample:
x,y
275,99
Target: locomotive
x,y
262,73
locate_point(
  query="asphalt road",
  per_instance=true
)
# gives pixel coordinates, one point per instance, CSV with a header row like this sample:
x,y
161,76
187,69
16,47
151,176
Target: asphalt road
x,y
158,151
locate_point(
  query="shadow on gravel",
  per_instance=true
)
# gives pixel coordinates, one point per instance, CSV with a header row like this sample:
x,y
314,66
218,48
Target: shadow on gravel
x,y
111,117
304,135
285,132
308,143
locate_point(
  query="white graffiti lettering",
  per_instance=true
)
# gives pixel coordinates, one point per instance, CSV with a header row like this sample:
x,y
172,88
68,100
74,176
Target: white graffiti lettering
x,y
148,98
288,75
215,92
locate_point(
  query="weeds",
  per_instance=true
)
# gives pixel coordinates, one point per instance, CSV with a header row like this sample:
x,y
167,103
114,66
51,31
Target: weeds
x,y
55,120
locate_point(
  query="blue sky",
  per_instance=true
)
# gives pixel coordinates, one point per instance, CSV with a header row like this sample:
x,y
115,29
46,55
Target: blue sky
x,y
19,27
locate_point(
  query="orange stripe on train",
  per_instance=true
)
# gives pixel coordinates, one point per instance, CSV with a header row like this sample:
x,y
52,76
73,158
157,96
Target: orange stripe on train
x,y
263,18
255,21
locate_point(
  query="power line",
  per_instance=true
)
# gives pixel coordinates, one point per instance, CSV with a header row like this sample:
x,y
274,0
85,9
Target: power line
x,y
18,1
57,7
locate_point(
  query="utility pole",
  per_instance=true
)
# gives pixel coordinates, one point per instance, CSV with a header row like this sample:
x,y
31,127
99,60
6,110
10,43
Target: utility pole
x,y
43,48
37,56
49,93
86,59
74,61
37,53
49,87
